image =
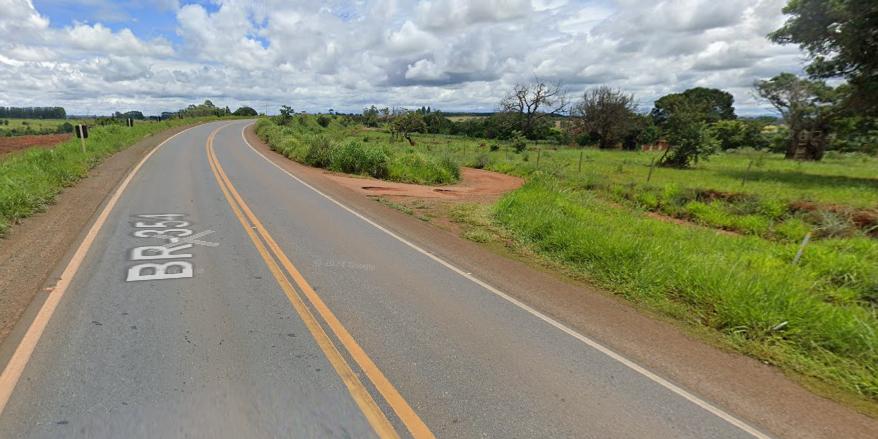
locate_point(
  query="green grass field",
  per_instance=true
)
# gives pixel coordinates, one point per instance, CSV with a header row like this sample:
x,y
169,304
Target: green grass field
x,y
33,126
30,179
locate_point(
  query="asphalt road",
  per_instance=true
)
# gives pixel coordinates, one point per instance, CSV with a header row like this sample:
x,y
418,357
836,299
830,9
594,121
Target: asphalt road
x,y
295,317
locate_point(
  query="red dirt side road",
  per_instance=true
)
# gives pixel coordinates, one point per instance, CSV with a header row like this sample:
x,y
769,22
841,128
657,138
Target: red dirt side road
x,y
475,185
17,143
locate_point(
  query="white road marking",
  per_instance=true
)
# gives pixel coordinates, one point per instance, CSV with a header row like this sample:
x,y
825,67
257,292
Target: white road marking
x,y
569,331
159,271
192,240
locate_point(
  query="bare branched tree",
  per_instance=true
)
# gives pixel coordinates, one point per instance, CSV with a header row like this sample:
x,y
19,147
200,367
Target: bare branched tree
x,y
606,113
533,102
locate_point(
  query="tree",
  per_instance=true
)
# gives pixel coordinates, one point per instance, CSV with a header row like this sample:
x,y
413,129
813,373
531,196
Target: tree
x,y
840,37
370,116
533,103
704,104
245,111
129,115
734,134
407,123
806,108
286,114
690,139
606,113
643,132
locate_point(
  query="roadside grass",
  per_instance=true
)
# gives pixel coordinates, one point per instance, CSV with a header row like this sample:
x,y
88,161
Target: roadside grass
x,y
30,179
809,318
337,148
711,246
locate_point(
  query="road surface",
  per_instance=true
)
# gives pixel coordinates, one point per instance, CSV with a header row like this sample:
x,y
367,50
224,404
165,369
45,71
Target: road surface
x,y
219,296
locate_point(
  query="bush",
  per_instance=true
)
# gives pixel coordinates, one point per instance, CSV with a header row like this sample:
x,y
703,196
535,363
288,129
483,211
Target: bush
x,y
413,167
323,120
65,127
319,152
519,142
353,158
482,161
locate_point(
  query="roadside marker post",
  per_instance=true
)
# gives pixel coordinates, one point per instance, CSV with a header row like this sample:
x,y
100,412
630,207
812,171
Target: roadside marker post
x,y
81,131
129,122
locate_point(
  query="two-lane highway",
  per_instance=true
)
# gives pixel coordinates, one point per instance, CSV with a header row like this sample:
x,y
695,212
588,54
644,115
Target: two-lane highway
x,y
219,296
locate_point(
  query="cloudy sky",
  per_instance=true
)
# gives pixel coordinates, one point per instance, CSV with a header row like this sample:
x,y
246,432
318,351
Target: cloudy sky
x,y
456,55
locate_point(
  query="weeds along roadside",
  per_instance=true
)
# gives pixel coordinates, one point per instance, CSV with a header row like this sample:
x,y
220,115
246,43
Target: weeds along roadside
x,y
30,179
334,148
743,287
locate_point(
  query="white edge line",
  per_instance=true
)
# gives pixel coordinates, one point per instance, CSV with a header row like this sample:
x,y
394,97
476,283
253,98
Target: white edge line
x,y
588,341
22,354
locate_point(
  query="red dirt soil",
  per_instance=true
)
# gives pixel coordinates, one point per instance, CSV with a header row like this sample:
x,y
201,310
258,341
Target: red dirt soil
x,y
475,185
17,143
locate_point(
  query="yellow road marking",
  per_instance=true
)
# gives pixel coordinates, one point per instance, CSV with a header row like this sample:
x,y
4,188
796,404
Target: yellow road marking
x,y
15,367
400,406
361,396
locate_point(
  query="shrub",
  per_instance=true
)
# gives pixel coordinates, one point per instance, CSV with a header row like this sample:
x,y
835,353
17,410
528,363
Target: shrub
x,y
482,161
319,152
413,167
353,158
519,142
323,120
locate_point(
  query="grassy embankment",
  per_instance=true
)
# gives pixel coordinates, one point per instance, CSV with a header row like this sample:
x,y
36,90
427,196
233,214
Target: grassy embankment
x,y
30,179
337,148
732,275
817,317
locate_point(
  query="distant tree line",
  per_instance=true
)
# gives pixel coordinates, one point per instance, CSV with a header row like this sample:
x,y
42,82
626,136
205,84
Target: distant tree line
x,y
692,124
33,113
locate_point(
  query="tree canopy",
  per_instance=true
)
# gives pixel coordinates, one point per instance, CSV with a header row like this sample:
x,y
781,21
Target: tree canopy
x,y
841,38
705,104
245,111
605,114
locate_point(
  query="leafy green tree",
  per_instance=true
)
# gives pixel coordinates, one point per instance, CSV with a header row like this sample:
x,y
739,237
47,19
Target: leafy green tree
x,y
245,111
370,116
689,137
734,134
436,122
807,109
644,131
840,37
704,104
286,114
407,123
690,142
606,113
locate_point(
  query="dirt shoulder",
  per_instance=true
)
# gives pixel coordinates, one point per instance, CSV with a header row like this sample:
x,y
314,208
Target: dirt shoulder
x,y
35,247
475,185
751,390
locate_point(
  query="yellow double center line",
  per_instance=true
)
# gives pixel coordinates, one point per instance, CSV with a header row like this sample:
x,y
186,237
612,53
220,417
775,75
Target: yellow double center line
x,y
272,254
